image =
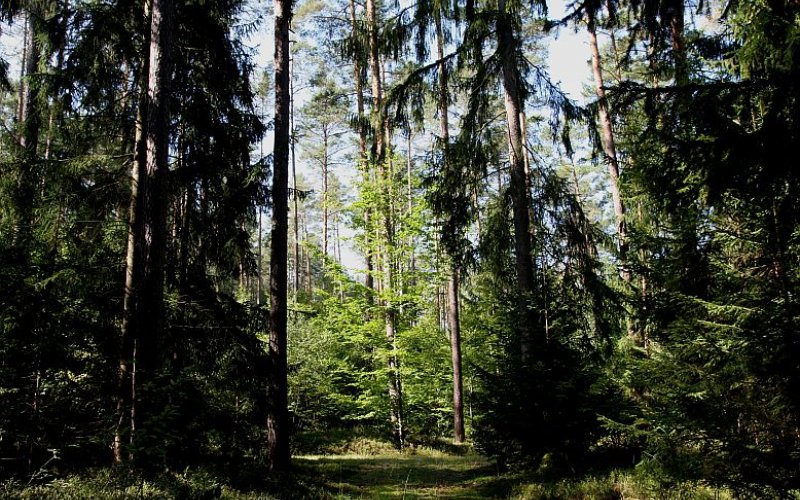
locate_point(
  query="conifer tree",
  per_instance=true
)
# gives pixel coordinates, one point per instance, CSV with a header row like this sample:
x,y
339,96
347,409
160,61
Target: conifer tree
x,y
278,417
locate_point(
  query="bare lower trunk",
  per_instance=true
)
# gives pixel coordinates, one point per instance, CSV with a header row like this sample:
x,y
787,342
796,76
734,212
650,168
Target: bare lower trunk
x,y
143,309
455,350
152,220
132,259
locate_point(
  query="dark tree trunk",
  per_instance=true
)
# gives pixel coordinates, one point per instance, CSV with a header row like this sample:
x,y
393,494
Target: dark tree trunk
x,y
132,275
675,12
151,221
278,455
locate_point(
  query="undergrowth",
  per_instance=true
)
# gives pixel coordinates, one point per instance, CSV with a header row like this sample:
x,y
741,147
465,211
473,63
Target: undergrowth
x,y
338,465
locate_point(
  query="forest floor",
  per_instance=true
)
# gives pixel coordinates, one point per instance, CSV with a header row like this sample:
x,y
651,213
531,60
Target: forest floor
x,y
419,475
364,469
426,473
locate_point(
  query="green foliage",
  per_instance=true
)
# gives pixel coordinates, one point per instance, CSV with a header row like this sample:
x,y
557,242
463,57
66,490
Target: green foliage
x,y
710,166
687,371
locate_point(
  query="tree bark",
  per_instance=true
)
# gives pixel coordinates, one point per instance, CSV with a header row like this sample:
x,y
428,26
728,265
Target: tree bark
x,y
379,132
676,27
455,352
507,45
610,151
143,308
452,285
149,303
132,270
278,454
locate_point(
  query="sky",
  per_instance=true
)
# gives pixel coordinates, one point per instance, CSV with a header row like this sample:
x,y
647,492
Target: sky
x,y
569,54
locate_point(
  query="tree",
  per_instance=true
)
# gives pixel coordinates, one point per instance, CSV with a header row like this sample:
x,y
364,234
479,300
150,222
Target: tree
x,y
508,48
357,54
151,238
323,119
278,413
453,282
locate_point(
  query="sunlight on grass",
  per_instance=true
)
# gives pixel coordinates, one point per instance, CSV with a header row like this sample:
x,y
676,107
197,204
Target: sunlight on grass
x,y
432,474
426,474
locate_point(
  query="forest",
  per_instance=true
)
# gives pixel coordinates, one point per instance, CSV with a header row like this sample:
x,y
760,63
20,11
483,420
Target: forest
x,y
374,249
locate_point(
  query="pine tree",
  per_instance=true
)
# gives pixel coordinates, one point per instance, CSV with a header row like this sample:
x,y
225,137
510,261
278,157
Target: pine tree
x,y
278,418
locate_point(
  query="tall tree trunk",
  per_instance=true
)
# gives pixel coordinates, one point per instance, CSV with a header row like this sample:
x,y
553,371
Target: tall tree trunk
x,y
380,137
149,303
295,196
324,194
452,285
455,354
507,45
369,280
260,285
278,454
260,282
377,119
609,148
23,67
132,272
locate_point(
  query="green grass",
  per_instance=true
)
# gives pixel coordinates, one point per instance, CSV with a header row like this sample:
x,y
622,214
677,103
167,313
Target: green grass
x,y
364,468
427,474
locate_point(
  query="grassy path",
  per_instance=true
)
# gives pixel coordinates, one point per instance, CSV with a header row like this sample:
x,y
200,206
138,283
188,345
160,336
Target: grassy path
x,y
422,475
